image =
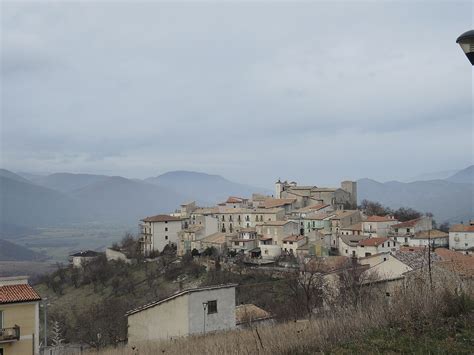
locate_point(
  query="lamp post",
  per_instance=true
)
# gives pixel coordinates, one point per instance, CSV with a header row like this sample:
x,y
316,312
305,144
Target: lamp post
x,y
45,305
204,306
466,42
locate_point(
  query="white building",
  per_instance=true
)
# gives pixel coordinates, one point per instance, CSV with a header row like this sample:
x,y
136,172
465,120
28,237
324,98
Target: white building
x,y
82,257
461,238
378,226
434,237
348,244
405,231
193,311
372,246
159,231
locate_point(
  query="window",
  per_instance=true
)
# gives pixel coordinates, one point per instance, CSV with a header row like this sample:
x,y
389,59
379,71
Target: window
x,y
396,230
347,251
1,319
383,245
408,230
166,229
388,244
166,237
406,240
211,307
384,259
166,221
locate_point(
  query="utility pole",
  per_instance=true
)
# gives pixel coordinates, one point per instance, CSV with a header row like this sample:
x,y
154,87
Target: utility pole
x,y
45,312
429,258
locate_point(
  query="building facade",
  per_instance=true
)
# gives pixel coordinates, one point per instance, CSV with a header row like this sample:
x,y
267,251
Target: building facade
x,y
461,238
19,317
193,311
159,231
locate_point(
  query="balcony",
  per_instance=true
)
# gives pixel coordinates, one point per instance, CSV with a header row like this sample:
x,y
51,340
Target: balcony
x,y
9,334
144,239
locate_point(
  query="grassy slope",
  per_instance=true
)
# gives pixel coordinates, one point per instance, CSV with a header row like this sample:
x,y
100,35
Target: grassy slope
x,y
456,336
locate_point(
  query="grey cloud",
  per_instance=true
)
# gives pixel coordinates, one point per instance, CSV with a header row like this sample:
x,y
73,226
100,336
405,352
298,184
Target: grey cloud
x,y
138,88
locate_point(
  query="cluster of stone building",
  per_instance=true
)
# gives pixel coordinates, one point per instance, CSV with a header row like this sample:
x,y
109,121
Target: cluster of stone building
x,y
297,220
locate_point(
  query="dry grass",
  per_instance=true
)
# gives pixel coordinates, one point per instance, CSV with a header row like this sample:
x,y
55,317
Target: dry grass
x,y
413,307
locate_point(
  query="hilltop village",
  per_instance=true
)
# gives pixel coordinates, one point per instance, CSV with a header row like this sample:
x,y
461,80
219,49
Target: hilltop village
x,y
300,221
300,254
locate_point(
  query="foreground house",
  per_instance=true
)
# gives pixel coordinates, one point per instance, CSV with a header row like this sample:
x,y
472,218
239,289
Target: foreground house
x,y
193,311
19,317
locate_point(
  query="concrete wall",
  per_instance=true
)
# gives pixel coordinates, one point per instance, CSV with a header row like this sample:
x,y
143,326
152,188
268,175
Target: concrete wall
x,y
224,319
26,316
183,315
389,269
164,321
161,237
382,248
436,242
111,254
377,229
270,251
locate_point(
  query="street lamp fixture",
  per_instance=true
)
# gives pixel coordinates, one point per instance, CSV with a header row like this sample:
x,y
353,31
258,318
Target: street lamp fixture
x,y
466,41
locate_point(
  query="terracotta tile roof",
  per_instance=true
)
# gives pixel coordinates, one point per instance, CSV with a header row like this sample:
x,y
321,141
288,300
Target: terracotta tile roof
x,y
434,233
462,268
372,242
247,230
176,295
341,214
247,313
410,223
380,219
235,199
161,218
415,258
450,255
266,238
352,240
18,293
459,263
86,254
354,227
293,238
216,238
277,202
462,228
275,223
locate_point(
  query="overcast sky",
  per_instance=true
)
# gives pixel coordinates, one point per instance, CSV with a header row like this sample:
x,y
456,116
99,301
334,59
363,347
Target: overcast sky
x,y
311,91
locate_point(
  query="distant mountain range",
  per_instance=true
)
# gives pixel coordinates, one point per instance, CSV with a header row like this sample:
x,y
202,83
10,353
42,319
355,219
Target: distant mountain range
x,y
465,176
13,252
64,198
